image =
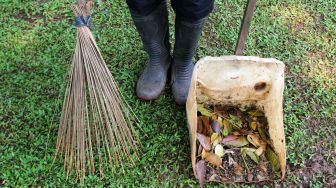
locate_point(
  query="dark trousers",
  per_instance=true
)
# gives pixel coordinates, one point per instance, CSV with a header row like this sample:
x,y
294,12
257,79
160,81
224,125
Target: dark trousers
x,y
189,10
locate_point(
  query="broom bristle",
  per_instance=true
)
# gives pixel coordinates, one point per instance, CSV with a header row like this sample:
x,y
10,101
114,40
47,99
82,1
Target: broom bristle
x,y
96,121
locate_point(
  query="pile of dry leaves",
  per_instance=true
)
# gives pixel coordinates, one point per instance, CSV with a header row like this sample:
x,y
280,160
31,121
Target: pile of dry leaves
x,y
234,145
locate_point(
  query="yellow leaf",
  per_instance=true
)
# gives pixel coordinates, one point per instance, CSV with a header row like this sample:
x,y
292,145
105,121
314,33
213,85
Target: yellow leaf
x,y
214,137
203,110
253,125
227,128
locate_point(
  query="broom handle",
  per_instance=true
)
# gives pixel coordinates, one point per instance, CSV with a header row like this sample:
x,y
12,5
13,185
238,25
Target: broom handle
x,y
244,27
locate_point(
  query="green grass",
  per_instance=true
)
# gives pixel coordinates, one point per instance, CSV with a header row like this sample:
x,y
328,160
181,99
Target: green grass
x,y
36,46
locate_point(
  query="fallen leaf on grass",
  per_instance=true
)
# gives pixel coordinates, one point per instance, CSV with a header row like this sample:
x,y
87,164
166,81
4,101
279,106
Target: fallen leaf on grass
x,y
212,158
203,110
200,171
239,142
204,141
251,153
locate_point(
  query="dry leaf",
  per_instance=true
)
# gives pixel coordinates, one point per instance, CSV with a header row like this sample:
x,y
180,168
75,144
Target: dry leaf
x,y
217,178
260,150
227,127
229,138
215,143
214,117
257,142
251,153
239,142
200,171
256,113
273,159
253,125
236,122
220,120
215,125
262,167
219,150
249,177
263,134
212,158
200,127
206,125
199,150
238,169
204,141
214,137
203,110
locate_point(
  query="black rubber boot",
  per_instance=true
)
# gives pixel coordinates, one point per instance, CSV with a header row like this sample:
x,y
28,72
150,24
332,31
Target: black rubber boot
x,y
154,33
186,39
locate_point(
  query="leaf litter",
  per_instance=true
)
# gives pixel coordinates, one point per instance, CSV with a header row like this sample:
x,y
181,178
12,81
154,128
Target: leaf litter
x,y
234,145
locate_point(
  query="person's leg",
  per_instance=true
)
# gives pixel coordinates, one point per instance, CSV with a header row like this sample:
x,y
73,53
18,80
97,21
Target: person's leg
x,y
151,20
190,18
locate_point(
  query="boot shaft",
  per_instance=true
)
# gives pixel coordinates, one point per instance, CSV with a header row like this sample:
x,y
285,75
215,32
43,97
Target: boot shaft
x,y
154,32
187,35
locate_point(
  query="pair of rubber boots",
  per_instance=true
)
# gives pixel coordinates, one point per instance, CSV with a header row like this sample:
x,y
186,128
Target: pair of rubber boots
x,y
154,32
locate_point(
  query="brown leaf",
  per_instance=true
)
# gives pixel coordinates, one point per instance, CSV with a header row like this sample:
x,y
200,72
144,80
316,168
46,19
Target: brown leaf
x,y
200,126
204,141
212,158
262,166
255,140
206,125
200,171
261,175
239,142
238,169
199,150
220,110
214,117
